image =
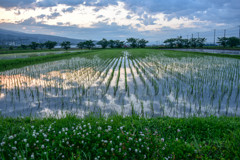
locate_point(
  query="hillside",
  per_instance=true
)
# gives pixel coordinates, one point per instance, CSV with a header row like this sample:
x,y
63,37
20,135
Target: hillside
x,y
8,37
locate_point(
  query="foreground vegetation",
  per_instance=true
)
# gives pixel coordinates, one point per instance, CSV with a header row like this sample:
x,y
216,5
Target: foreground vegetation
x,y
117,137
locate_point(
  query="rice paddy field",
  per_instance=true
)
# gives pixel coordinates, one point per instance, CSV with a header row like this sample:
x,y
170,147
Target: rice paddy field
x,y
146,82
121,104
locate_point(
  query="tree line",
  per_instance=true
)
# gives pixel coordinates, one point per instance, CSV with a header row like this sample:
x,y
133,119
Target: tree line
x,y
179,42
132,42
104,43
230,42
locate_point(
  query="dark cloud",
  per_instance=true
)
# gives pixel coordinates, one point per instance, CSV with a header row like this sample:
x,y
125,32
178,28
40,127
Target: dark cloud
x,y
53,15
223,11
70,10
100,16
50,3
17,13
128,17
16,3
29,21
41,16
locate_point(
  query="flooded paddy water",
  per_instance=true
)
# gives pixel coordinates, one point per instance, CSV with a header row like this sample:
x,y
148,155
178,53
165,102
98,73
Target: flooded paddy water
x,y
156,85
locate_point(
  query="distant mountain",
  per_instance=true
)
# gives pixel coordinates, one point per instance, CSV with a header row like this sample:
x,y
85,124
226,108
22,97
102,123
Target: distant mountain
x,y
8,37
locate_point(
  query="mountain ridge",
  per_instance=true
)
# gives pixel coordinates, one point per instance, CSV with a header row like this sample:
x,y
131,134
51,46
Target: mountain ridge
x,y
8,37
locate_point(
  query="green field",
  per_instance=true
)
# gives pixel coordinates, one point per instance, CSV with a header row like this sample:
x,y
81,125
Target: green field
x,y
120,104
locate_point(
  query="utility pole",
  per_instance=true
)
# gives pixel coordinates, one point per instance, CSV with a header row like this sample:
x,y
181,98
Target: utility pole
x,y
224,33
192,36
198,35
214,36
187,36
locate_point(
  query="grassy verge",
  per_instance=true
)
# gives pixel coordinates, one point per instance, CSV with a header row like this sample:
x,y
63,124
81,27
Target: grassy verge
x,y
142,53
120,138
27,51
18,63
204,47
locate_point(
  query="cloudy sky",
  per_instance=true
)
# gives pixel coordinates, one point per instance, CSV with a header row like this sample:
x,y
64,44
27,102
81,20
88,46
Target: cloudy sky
x,y
154,20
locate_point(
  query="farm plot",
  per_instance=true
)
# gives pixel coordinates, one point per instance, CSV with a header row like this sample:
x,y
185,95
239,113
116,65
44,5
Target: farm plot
x,y
149,85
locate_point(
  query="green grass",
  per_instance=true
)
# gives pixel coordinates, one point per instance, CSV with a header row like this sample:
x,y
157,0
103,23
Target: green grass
x,y
18,63
104,54
120,138
142,53
204,47
4,51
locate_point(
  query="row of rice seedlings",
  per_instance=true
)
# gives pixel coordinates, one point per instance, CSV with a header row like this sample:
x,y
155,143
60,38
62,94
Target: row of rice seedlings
x,y
149,77
107,68
104,67
141,78
115,88
151,74
125,71
111,76
133,76
139,73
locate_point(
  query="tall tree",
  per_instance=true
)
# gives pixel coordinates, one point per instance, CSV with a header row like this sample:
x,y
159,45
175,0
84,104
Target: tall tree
x,y
200,42
133,42
34,45
233,41
41,45
66,45
89,44
142,43
222,41
193,42
119,44
179,42
186,43
111,43
103,43
81,45
171,42
23,46
50,44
